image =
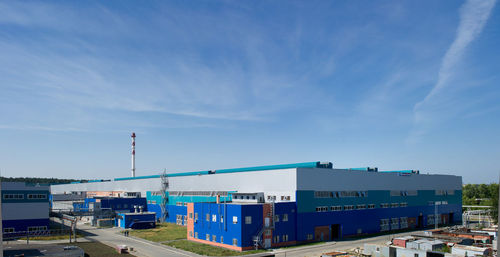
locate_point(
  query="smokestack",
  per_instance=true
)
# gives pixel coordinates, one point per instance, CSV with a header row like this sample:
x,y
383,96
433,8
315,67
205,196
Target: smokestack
x,y
133,154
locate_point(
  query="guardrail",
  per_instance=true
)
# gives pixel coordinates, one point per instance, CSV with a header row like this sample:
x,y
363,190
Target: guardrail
x,y
38,233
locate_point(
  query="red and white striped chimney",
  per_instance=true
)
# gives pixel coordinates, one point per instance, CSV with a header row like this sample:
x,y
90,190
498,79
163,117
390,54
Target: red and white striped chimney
x,y
133,154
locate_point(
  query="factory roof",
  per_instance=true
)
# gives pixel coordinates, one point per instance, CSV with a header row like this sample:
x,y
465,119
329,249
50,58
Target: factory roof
x,y
234,170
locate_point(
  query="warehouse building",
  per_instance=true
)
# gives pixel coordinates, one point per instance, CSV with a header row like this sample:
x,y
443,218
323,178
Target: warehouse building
x,y
278,205
24,208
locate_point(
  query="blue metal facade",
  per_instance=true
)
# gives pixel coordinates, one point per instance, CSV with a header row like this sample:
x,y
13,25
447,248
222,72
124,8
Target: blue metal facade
x,y
205,224
22,225
25,206
233,224
135,220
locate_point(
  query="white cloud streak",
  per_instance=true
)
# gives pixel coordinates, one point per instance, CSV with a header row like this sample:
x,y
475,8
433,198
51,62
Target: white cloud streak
x,y
473,16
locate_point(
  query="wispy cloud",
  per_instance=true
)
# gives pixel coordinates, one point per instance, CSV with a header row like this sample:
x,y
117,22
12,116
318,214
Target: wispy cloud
x,y
473,16
235,70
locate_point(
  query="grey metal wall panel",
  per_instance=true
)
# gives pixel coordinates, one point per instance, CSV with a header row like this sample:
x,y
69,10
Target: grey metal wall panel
x,y
24,211
341,179
254,181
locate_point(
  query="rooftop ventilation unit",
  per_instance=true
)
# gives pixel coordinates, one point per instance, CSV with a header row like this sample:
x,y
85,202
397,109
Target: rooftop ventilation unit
x,y
324,165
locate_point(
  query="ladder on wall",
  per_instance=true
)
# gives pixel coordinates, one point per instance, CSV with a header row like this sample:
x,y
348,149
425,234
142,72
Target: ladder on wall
x,y
164,196
258,238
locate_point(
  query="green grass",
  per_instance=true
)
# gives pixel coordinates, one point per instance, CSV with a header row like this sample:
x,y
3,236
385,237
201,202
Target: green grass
x,y
162,232
96,249
207,250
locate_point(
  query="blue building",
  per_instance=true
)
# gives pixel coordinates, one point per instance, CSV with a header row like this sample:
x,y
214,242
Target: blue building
x,y
136,220
24,208
277,205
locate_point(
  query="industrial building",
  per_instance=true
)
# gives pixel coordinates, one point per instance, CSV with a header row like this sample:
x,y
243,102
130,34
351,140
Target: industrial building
x,y
25,208
271,206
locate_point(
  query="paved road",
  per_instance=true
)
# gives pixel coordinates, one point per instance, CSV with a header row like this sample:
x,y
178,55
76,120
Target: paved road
x,y
317,250
141,247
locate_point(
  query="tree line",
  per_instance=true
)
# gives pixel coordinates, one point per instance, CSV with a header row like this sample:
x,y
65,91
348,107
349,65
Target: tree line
x,y
40,181
481,194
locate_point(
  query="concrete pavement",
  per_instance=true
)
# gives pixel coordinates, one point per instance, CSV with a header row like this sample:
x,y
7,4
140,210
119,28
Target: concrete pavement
x,y
317,250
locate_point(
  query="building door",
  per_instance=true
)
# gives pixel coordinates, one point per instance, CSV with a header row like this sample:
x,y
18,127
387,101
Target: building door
x,y
420,222
451,218
335,230
267,221
267,243
120,222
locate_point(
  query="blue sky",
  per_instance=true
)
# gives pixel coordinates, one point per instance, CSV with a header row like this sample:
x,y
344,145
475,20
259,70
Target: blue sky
x,y
222,84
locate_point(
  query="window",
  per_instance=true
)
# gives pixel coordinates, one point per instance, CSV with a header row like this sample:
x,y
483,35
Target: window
x,y
276,218
37,228
384,225
214,218
235,242
191,233
8,230
221,218
335,208
323,194
348,207
196,216
277,239
208,217
371,206
214,238
37,196
324,208
318,209
190,215
268,232
361,206
394,205
309,236
285,217
285,238
13,196
125,206
394,223
222,239
118,206
235,219
415,255
441,192
248,220
178,203
403,204
403,222
207,237
196,234
384,205
412,192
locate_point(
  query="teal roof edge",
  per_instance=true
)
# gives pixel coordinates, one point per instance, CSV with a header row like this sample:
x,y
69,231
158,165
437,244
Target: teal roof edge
x,y
139,177
400,171
255,168
271,167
